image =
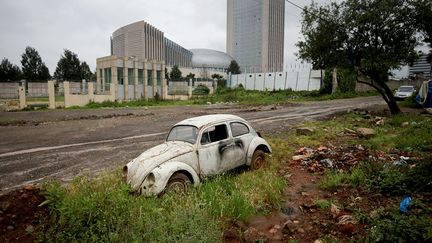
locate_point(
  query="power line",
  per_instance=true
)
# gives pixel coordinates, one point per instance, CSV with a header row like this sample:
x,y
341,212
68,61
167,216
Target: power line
x,y
288,1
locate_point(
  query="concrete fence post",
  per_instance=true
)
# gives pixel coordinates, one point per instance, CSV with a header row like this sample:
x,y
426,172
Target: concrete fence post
x,y
66,93
90,91
22,95
51,95
190,89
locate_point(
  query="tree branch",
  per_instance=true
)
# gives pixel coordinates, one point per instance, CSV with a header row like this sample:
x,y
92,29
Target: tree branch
x,y
377,88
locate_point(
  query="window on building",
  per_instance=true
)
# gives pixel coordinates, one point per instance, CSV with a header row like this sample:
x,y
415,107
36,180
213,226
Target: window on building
x,y
140,76
149,77
158,77
107,72
131,76
120,76
214,134
238,129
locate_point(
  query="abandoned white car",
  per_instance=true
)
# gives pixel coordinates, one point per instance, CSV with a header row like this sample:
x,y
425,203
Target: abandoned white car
x,y
196,148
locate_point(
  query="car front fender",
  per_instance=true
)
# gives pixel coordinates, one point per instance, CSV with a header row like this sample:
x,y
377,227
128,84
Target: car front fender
x,y
163,173
257,142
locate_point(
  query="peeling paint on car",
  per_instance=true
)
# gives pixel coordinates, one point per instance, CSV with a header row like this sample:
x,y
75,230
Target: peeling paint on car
x,y
149,173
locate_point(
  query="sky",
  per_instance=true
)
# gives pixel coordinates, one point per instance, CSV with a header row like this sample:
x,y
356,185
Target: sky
x,y
85,27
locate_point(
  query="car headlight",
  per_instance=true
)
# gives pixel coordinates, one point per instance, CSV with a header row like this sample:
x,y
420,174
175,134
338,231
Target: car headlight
x,y
150,180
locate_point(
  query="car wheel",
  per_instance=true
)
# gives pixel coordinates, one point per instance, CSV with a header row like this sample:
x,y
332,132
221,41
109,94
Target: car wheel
x,y
178,183
258,160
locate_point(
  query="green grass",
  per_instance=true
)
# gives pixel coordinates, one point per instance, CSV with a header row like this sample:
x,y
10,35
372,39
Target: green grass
x,y
103,209
238,95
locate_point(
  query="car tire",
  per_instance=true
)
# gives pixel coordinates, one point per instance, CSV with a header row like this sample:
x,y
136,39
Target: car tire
x,y
258,160
178,183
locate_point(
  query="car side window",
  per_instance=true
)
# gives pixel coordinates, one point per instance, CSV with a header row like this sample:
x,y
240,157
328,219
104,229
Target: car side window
x,y
214,134
238,129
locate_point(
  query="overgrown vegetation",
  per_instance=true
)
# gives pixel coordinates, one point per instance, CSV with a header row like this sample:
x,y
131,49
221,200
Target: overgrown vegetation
x,y
237,95
105,209
406,134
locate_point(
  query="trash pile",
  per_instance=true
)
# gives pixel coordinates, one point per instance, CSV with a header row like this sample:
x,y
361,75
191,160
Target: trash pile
x,y
343,158
340,158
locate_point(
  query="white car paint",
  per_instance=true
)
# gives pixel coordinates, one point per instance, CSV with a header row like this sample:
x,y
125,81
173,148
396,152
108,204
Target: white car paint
x,y
404,92
149,173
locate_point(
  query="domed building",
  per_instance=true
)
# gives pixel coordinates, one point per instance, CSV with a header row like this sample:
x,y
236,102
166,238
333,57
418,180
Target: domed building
x,y
210,60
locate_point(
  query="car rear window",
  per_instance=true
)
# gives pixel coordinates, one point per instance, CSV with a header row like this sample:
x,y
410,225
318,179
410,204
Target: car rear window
x,y
238,129
405,89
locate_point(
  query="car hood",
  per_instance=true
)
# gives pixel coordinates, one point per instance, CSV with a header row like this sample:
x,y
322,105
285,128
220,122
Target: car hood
x,y
404,93
140,167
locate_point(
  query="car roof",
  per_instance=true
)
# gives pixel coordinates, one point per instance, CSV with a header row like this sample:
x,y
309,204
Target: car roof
x,y
406,86
200,121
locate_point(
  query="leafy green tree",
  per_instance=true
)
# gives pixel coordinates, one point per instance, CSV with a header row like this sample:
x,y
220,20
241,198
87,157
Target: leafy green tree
x,y
369,37
234,68
85,71
216,76
190,76
9,71
68,67
33,68
175,73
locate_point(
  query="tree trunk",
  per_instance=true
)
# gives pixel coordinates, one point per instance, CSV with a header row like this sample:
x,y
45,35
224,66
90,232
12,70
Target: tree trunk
x,y
381,80
380,85
392,104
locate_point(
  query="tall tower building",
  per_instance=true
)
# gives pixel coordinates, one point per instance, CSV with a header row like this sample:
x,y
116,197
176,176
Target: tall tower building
x,y
255,34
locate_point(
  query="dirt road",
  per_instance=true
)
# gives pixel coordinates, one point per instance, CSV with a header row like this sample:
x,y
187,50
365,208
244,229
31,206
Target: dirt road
x,y
61,144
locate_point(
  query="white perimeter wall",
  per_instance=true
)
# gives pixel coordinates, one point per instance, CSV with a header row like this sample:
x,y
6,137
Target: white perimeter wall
x,y
296,80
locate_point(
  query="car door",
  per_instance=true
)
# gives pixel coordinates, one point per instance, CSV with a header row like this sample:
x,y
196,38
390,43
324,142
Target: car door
x,y
213,144
242,137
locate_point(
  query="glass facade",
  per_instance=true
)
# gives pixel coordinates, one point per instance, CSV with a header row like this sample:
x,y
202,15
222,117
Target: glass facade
x,y
158,77
149,77
131,76
140,76
107,78
120,76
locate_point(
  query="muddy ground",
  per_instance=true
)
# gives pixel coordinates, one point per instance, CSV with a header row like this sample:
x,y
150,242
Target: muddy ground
x,y
62,144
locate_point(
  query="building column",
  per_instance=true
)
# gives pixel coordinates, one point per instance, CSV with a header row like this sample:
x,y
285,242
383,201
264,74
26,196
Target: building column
x,y
164,86
154,78
22,95
98,77
136,80
126,79
103,80
145,82
114,80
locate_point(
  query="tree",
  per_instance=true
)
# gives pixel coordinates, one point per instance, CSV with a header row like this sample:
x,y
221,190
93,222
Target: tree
x,y
175,73
190,76
368,37
9,71
33,68
68,67
216,76
234,68
85,71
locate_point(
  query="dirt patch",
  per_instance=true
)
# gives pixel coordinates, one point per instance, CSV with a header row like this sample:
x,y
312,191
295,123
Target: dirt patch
x,y
19,212
302,218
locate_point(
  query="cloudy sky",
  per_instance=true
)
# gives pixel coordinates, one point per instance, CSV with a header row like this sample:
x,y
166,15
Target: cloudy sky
x,y
85,27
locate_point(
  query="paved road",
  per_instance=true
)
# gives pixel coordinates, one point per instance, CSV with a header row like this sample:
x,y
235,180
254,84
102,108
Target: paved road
x,y
61,144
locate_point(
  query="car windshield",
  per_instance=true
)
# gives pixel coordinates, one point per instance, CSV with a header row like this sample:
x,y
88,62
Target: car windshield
x,y
183,133
405,89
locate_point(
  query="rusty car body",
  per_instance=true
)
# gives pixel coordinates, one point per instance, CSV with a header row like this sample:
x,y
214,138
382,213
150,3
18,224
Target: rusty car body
x,y
194,149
